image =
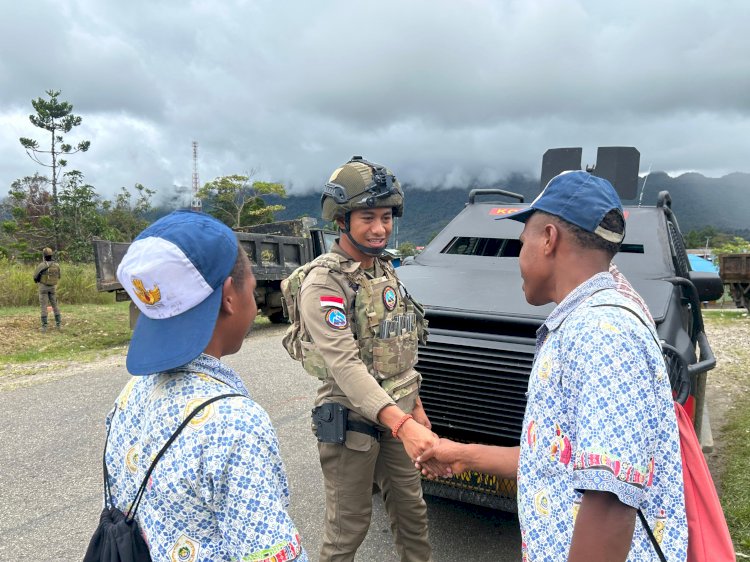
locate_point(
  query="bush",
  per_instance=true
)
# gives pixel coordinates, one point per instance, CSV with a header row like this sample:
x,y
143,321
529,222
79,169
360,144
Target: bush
x,y
77,285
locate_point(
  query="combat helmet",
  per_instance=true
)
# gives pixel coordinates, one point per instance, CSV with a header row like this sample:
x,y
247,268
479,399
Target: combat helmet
x,y
360,184
47,252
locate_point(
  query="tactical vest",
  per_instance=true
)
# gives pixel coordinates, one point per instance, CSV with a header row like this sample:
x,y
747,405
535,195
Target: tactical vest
x,y
387,325
51,276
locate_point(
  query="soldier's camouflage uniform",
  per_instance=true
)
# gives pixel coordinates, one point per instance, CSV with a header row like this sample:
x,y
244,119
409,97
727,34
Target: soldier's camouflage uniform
x,y
47,276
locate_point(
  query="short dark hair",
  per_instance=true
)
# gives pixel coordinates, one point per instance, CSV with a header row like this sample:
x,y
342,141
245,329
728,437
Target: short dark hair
x,y
613,221
241,268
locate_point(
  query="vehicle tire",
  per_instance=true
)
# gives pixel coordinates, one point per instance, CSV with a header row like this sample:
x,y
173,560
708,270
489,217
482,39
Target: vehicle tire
x,y
277,317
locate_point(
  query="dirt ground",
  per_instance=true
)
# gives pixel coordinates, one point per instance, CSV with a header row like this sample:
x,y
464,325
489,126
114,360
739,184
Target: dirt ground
x,y
730,379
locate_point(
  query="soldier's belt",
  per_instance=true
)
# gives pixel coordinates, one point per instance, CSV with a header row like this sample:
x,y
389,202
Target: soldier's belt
x,y
331,422
362,427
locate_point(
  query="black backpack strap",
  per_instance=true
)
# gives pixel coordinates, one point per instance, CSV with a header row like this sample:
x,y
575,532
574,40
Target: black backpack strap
x,y
130,515
642,517
651,536
107,489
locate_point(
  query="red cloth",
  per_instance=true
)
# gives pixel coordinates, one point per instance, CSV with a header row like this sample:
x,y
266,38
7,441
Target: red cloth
x,y
708,534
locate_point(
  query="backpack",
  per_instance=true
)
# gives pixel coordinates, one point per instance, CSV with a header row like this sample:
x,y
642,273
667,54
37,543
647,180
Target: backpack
x,y
118,538
52,274
708,534
290,288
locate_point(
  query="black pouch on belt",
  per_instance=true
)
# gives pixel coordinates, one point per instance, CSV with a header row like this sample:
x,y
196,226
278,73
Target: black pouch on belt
x,y
330,422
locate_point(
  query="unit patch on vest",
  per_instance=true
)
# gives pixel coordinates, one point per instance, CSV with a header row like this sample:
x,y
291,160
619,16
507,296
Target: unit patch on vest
x,y
389,298
336,319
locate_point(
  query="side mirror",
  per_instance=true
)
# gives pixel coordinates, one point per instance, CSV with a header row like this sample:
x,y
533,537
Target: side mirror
x,y
710,286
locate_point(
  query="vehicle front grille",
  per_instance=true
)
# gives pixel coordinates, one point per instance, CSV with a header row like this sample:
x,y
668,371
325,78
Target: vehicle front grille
x,y
474,384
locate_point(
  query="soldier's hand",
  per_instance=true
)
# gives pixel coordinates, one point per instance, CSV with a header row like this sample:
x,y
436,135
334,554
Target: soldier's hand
x,y
448,453
420,416
417,439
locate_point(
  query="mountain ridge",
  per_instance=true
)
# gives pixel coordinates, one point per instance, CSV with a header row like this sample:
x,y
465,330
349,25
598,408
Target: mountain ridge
x,y
697,200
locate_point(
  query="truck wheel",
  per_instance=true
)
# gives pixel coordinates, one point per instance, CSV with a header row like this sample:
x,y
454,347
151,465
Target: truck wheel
x,y
277,317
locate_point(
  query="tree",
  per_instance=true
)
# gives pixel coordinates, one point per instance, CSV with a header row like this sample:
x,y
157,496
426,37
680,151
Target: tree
x,y
237,203
56,117
706,237
407,249
81,218
126,218
28,226
736,245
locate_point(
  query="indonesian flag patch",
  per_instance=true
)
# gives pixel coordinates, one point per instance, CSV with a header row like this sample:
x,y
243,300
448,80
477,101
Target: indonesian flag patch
x,y
329,301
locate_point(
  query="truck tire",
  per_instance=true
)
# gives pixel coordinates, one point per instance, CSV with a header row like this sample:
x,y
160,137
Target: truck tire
x,y
277,317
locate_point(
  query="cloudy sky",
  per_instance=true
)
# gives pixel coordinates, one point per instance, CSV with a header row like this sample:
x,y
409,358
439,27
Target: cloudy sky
x,y
440,91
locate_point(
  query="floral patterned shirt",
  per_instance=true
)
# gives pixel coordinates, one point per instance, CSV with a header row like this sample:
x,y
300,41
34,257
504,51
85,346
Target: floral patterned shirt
x,y
599,416
220,491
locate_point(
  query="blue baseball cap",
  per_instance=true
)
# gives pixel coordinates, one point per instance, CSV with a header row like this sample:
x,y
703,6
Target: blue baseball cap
x,y
579,198
174,272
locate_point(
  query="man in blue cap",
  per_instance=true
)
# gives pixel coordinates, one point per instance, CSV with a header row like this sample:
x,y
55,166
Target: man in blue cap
x,y
219,492
600,440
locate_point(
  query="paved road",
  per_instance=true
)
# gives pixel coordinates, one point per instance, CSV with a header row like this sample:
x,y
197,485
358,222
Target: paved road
x,y
51,435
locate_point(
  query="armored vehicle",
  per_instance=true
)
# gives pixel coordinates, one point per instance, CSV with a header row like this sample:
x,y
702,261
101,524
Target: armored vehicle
x,y
275,249
477,361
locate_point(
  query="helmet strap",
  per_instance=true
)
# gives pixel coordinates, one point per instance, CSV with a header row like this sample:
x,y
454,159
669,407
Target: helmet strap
x,y
361,247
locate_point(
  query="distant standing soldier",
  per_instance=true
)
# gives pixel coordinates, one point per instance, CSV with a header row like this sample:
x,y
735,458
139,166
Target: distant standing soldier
x,y
355,328
47,276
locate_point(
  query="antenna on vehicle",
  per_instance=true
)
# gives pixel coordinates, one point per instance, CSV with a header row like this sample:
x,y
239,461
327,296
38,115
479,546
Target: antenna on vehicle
x,y
643,187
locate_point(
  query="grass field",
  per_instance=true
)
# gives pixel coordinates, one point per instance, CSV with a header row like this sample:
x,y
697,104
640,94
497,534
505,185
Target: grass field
x,y
86,330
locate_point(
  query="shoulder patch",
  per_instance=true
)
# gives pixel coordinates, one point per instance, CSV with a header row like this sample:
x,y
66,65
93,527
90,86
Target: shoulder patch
x,y
336,319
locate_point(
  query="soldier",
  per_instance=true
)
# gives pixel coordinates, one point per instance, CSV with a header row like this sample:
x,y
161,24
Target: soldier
x,y
355,328
47,276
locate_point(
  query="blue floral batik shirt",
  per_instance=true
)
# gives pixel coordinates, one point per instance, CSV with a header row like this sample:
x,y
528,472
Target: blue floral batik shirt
x,y
220,491
599,416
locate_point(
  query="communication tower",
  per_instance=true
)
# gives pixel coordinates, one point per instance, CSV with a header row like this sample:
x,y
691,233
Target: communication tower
x,y
195,204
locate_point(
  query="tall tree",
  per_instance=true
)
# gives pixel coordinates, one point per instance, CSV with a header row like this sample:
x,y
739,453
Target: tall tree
x,y
56,117
237,202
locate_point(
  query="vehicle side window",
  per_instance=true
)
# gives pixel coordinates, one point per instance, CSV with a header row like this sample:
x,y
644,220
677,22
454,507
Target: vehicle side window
x,y
488,247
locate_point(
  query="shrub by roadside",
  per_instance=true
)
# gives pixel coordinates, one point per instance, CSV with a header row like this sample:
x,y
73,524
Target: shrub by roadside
x,y
77,285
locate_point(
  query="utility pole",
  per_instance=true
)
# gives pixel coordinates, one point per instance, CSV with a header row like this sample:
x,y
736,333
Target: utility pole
x,y
196,204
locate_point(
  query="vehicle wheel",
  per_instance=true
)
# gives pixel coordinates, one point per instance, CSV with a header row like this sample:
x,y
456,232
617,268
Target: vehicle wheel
x,y
277,317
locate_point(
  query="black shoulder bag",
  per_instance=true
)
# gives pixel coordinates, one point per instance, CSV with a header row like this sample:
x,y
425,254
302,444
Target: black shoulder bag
x,y
118,537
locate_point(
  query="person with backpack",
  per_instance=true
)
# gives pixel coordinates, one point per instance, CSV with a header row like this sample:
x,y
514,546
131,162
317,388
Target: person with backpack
x,y
354,327
190,459
47,276
599,468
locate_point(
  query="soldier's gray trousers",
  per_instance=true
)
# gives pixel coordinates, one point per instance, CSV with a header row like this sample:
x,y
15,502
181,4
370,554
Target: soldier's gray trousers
x,y
349,476
48,293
